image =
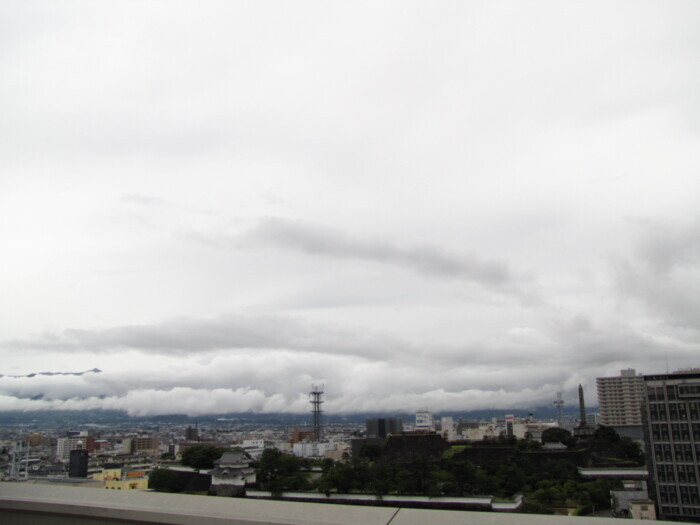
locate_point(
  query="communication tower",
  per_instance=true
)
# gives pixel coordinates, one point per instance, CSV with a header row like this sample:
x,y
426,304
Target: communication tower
x,y
559,403
315,396
19,462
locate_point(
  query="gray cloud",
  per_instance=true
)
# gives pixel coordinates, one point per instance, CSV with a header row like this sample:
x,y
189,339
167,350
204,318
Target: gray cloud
x,y
664,246
664,274
190,335
329,242
428,260
449,186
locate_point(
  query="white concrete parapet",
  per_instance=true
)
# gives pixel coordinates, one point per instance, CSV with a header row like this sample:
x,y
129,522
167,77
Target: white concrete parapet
x,y
37,504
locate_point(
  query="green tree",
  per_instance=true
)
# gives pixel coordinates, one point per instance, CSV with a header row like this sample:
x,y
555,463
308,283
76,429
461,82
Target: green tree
x,y
277,471
558,435
382,476
341,477
371,452
463,473
627,448
202,456
165,480
608,434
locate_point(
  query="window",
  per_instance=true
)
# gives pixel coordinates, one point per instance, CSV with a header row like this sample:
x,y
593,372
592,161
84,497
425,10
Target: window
x,y
673,411
670,392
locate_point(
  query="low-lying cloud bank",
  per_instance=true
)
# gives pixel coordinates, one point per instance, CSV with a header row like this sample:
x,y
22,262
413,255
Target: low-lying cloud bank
x,y
194,402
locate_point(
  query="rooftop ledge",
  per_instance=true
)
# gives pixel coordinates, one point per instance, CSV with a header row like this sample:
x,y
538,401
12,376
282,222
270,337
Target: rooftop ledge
x,y
37,504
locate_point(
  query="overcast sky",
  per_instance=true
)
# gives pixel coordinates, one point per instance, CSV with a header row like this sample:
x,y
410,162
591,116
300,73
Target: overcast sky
x,y
421,205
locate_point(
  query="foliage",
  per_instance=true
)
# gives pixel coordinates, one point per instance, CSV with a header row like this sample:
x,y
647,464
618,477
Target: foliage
x,y
277,471
370,452
165,480
202,456
558,435
454,449
545,484
627,448
608,434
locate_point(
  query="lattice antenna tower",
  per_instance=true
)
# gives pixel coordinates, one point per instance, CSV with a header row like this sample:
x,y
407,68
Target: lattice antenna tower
x,y
19,460
316,399
559,403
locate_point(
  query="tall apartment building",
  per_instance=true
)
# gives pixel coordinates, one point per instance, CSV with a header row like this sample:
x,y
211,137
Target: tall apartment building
x,y
78,465
379,427
65,445
619,402
671,416
135,445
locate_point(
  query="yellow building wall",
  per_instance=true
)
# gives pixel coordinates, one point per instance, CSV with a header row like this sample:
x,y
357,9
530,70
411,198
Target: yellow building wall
x,y
112,479
127,484
110,473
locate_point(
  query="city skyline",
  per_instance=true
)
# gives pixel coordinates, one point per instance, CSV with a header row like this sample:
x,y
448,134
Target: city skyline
x,y
442,206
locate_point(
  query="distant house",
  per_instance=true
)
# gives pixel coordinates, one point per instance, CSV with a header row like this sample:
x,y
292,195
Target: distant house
x,y
231,474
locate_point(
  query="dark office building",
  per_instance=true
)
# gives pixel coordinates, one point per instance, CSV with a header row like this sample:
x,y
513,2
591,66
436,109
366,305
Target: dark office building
x,y
192,434
78,466
672,432
379,427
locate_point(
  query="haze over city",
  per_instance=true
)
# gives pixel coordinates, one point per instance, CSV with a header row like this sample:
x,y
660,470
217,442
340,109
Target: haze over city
x,y
421,205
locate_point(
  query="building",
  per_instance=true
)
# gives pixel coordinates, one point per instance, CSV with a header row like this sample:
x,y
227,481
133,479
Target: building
x,y
192,434
312,449
642,509
253,447
448,428
140,445
510,424
65,445
425,421
302,435
117,476
379,427
78,465
619,402
232,472
671,416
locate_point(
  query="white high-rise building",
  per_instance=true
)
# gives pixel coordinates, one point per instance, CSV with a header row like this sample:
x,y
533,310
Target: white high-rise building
x,y
620,399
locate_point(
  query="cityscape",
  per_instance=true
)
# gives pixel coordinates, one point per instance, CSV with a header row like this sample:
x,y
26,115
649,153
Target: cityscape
x,y
384,262
635,456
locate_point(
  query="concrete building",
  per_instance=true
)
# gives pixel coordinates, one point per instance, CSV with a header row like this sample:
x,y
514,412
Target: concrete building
x,y
65,445
448,429
78,465
672,435
619,402
425,421
254,447
379,427
312,449
301,435
116,476
642,509
192,434
140,445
